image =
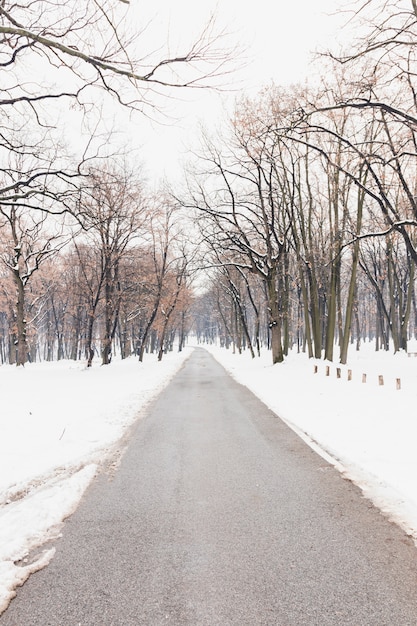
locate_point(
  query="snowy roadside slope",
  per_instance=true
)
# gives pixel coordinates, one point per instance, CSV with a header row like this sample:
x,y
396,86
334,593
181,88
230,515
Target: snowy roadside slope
x,y
58,422
369,432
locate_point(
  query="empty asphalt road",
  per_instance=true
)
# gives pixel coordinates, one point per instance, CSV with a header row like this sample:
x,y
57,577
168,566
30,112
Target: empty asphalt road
x,y
220,515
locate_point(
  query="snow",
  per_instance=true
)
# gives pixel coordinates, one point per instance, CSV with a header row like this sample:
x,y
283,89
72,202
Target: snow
x,y
367,430
59,422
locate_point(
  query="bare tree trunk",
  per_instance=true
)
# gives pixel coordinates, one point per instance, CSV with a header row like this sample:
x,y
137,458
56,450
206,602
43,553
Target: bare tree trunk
x,y
274,318
89,340
285,306
406,309
315,312
349,311
352,284
22,346
331,311
307,323
182,333
75,339
148,330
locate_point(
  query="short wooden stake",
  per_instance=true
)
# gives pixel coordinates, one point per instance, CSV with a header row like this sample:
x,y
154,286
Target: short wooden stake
x,y
381,380
316,369
398,383
364,378
338,372
349,374
327,370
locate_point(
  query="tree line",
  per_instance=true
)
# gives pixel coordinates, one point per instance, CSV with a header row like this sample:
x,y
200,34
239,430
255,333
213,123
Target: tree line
x,y
307,204
86,253
115,278
304,209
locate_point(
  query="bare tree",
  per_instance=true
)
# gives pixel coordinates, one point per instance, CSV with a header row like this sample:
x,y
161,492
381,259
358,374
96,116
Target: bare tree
x,y
164,229
26,246
96,45
178,286
85,56
378,70
112,212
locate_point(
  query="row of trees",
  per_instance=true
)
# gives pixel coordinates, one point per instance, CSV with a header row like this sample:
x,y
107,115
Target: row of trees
x,y
308,205
305,208
234,311
117,274
86,254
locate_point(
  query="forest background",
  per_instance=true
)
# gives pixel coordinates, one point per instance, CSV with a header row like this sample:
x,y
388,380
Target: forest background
x,y
299,210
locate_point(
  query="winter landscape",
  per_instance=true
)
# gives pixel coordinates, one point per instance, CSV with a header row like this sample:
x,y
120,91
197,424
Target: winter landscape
x,y
61,423
218,186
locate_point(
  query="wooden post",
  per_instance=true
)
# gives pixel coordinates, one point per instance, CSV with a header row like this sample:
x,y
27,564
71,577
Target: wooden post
x,y
381,380
364,378
349,374
327,370
398,383
316,369
338,372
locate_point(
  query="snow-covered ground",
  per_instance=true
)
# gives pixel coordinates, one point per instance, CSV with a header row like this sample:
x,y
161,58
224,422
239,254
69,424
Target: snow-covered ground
x,y
367,430
60,421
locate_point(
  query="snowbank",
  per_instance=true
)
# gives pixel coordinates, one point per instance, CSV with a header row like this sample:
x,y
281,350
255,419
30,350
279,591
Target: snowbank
x,y
368,430
58,422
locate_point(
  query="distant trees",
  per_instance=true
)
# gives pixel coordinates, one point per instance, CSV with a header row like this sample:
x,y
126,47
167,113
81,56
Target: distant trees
x,y
168,280
114,279
112,210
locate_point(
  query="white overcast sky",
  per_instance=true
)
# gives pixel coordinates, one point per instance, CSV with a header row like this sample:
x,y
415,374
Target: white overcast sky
x,y
278,37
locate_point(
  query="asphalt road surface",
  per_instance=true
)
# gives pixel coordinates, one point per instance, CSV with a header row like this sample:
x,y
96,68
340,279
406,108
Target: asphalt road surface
x,y
220,515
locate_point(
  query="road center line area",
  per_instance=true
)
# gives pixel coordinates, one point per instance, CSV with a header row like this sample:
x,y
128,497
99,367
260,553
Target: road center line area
x,y
219,514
